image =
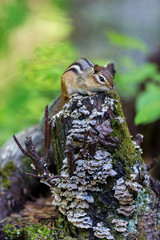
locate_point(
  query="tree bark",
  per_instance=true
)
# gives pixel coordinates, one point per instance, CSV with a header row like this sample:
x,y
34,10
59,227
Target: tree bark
x,y
104,187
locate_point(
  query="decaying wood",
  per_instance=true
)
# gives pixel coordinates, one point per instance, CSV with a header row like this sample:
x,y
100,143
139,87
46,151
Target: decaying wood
x,y
123,204
100,184
14,165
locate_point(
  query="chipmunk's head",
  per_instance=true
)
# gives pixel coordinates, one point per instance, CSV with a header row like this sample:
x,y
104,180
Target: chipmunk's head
x,y
103,76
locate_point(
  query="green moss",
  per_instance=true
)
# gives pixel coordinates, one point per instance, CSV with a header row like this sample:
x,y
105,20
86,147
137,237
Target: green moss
x,y
26,233
35,232
6,172
26,164
126,151
69,238
158,226
66,229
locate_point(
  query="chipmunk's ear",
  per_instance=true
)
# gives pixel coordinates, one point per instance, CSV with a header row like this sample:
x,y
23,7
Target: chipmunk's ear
x,y
112,69
97,68
107,65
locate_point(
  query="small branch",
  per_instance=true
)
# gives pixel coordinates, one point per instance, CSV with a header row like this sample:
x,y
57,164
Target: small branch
x,y
70,159
53,177
151,165
19,145
31,151
34,175
83,152
37,160
47,149
46,127
111,114
85,139
70,154
47,132
84,146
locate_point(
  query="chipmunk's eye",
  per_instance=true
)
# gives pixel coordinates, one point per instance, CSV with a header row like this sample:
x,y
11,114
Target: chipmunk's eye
x,y
101,79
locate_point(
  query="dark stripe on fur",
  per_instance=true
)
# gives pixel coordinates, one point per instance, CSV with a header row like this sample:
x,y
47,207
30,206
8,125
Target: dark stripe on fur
x,y
78,64
72,69
88,62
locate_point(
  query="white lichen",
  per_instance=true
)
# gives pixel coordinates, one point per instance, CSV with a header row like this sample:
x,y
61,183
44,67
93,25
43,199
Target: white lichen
x,y
124,193
102,232
121,225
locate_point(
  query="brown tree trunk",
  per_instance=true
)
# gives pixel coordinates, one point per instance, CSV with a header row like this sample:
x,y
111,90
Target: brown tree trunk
x,y
104,188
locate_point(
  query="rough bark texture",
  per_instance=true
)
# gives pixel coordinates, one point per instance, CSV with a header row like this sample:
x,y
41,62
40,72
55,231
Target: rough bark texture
x,y
104,188
103,191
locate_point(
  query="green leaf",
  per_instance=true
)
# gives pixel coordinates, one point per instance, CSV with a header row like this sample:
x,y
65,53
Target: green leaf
x,y
125,41
157,77
148,105
128,83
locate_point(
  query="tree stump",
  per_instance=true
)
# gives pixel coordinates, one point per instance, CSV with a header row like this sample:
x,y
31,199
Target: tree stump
x,y
103,190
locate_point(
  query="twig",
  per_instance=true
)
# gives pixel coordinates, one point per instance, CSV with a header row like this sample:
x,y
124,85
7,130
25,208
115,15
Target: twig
x,y
37,160
83,152
85,139
70,154
111,114
19,145
46,130
151,165
70,158
53,177
34,175
84,146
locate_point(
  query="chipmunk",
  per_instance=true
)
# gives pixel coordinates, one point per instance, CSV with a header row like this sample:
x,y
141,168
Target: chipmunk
x,y
83,77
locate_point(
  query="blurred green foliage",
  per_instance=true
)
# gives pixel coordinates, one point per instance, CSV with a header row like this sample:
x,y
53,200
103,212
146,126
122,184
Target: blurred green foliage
x,y
25,93
36,86
125,41
62,4
13,14
131,77
148,104
129,82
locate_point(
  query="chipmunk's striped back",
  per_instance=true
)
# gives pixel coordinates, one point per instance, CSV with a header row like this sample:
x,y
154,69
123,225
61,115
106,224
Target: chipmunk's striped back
x,y
79,65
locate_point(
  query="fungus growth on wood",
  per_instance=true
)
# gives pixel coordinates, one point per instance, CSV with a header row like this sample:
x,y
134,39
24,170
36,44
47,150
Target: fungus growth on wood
x,y
101,184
